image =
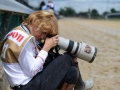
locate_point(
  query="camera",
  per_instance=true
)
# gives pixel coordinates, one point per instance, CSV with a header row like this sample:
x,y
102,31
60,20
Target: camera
x,y
79,49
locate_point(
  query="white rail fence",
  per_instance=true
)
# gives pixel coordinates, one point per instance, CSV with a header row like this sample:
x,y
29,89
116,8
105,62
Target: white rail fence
x,y
14,6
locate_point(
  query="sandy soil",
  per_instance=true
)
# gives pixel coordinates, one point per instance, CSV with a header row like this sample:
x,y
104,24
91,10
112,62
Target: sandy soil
x,y
104,35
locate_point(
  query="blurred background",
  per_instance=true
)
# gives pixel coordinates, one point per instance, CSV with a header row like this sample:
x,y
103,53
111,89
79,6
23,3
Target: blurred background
x,y
95,22
18,10
84,8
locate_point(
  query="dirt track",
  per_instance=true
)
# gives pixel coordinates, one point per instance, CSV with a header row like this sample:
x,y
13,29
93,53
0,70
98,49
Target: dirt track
x,y
105,35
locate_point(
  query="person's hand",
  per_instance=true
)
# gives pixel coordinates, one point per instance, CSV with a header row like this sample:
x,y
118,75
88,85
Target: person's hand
x,y
50,42
75,59
76,62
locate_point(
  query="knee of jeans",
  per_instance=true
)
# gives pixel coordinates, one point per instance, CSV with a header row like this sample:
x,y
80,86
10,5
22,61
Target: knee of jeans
x,y
75,72
68,56
69,59
72,75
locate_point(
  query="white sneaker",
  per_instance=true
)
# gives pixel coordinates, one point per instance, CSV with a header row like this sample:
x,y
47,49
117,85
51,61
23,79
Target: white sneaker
x,y
89,84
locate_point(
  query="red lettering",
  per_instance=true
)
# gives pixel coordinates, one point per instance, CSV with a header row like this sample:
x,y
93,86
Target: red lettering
x,y
20,37
10,34
15,34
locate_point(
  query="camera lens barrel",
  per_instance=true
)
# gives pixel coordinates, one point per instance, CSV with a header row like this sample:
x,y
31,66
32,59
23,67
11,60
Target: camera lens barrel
x,y
87,52
79,49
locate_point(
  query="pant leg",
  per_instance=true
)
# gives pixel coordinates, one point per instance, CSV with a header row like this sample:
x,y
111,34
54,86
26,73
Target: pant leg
x,y
34,83
55,72
80,83
72,75
52,75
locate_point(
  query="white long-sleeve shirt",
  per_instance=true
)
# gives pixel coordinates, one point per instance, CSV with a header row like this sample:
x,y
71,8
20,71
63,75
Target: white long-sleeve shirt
x,y
30,63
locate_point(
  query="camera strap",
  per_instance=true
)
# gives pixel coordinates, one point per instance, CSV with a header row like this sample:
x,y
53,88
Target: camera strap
x,y
25,28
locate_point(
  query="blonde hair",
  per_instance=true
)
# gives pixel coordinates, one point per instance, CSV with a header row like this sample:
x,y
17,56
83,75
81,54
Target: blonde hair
x,y
44,20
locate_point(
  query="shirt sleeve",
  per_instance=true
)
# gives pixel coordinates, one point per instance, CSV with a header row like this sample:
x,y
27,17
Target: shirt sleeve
x,y
28,62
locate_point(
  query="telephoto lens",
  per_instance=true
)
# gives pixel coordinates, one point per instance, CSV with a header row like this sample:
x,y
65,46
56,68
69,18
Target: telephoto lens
x,y
81,50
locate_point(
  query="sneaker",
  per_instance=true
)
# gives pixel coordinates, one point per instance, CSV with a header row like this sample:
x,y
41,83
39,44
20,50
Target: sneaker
x,y
89,84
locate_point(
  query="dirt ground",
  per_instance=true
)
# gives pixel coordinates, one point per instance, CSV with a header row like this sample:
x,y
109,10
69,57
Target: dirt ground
x,y
104,35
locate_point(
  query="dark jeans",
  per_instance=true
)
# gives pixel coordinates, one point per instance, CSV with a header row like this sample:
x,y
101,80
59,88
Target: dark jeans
x,y
60,70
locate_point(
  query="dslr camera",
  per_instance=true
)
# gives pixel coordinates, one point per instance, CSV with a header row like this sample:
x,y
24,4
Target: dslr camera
x,y
81,50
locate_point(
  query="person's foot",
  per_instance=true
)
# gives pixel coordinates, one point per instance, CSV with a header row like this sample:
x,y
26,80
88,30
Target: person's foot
x,y
86,85
89,84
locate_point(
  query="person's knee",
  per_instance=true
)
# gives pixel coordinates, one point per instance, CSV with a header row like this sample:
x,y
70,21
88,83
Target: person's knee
x,y
68,56
72,75
75,72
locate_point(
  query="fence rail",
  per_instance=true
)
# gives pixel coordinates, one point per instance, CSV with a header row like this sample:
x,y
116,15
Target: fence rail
x,y
14,6
12,13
